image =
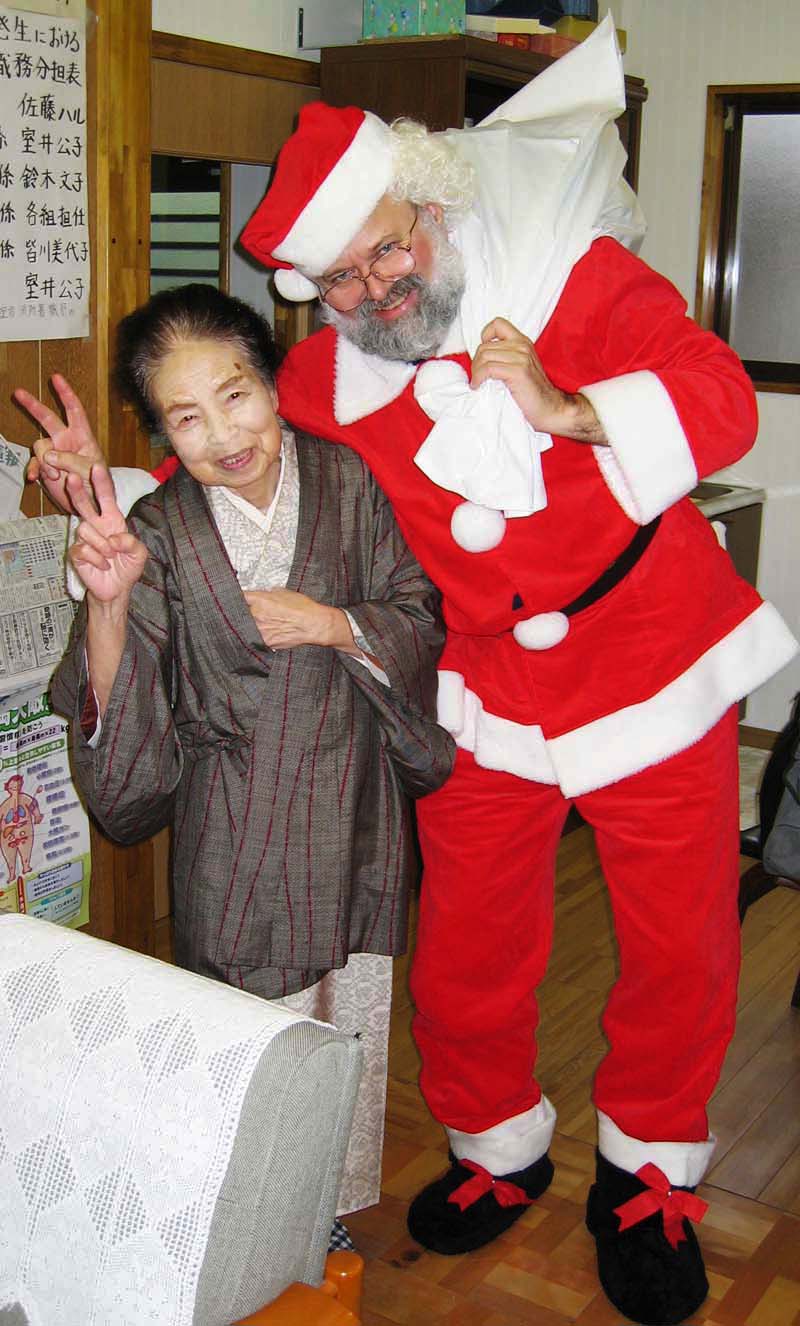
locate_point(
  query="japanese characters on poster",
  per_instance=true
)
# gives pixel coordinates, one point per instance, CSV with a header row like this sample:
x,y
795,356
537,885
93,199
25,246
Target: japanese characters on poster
x,y
44,222
44,832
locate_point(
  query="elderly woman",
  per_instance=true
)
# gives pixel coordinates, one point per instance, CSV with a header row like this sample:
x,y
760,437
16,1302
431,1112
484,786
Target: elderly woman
x,y
254,665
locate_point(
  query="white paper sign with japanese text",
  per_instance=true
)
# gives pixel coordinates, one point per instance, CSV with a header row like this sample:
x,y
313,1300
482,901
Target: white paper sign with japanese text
x,y
44,219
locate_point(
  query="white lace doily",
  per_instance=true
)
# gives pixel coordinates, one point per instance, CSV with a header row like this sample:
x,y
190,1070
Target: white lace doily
x,y
101,1225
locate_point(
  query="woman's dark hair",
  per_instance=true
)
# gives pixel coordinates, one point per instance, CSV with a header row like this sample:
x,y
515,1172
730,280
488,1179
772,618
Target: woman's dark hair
x,y
186,313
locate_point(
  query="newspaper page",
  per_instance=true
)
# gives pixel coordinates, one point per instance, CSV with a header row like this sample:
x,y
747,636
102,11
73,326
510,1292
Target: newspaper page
x,y
44,831
35,610
13,463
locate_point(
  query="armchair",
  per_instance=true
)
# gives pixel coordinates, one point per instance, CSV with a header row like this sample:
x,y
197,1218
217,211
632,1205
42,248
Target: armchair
x,y
170,1147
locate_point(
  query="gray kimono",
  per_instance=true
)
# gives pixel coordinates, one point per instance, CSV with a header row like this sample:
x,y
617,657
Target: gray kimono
x,y
284,774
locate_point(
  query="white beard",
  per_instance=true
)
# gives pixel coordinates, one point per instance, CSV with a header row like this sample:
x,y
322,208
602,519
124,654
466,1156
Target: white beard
x,y
418,333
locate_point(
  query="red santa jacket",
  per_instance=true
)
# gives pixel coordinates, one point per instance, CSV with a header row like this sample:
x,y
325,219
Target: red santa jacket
x,y
650,666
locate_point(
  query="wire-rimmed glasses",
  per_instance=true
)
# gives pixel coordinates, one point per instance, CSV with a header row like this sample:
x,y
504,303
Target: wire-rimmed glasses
x,y
347,289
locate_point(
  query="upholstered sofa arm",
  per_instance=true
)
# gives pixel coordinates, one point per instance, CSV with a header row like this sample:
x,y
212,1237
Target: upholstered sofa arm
x,y
337,1302
170,1148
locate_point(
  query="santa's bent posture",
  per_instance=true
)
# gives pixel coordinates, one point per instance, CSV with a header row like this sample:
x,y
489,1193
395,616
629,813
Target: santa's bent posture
x,y
537,406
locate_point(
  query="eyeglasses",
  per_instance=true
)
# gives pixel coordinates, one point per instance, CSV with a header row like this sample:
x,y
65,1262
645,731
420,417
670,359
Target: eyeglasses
x,y
346,290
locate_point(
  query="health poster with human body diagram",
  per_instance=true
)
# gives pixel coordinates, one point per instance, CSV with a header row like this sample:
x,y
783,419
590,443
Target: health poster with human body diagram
x,y
44,831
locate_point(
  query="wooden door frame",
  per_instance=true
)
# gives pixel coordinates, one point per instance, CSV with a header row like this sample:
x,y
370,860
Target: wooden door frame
x,y
709,263
233,59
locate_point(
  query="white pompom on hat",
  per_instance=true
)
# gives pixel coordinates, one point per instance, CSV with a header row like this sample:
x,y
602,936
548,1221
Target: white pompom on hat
x,y
294,286
330,176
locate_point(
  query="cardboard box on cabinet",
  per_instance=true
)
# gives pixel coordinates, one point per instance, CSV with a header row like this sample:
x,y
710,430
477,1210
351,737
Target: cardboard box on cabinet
x,y
414,18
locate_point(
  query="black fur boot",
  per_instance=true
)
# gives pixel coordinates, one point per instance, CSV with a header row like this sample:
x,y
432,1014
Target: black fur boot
x,y
648,1258
469,1207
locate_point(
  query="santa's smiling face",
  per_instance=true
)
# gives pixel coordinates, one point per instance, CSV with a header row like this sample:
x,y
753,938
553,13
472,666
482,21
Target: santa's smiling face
x,y
407,319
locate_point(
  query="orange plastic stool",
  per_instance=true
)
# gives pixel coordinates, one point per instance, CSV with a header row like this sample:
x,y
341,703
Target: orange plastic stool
x,y
344,1277
336,1302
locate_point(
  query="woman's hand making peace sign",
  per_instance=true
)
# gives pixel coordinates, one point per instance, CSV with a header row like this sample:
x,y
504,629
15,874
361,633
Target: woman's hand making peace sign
x,y
105,555
69,448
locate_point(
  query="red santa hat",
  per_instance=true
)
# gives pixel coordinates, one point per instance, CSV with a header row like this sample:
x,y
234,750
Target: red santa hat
x,y
330,175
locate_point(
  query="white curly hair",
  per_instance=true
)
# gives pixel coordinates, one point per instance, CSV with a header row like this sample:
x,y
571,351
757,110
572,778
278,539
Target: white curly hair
x,y
427,169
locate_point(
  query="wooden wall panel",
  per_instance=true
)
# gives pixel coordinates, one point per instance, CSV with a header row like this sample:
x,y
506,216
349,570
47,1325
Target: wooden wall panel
x,y
425,80
123,205
19,367
222,114
236,59
122,219
118,125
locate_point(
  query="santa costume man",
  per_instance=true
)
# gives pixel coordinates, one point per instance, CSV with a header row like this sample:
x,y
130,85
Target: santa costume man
x,y
537,405
599,638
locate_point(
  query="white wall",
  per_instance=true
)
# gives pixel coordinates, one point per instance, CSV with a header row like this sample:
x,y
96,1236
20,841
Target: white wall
x,y
679,47
260,25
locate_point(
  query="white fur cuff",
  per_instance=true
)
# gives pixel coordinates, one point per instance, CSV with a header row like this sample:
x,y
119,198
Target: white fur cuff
x,y
653,463
684,1163
511,1145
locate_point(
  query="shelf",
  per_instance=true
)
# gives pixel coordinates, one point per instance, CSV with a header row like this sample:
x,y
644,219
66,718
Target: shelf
x,y
443,80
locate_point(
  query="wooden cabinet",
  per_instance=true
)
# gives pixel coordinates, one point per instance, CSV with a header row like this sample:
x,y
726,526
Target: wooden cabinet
x,y
443,80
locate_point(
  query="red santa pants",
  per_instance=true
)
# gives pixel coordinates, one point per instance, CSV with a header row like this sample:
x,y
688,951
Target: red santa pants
x,y
668,843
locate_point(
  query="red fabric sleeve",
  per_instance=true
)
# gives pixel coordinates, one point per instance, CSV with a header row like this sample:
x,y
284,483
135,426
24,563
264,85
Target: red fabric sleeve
x,y
166,469
90,713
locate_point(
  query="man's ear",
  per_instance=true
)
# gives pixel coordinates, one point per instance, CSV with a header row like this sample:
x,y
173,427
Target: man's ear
x,y
436,211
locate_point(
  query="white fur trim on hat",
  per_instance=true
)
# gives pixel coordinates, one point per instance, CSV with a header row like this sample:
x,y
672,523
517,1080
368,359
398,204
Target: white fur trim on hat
x,y
477,528
293,285
352,190
543,631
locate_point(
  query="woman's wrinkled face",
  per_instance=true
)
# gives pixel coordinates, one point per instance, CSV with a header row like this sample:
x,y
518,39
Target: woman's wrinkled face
x,y
220,417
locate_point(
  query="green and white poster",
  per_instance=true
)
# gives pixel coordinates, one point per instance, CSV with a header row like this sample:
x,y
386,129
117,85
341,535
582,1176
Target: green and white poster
x,y
44,831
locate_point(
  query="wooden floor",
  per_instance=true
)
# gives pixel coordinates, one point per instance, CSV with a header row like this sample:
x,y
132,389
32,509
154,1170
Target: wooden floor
x,y
542,1271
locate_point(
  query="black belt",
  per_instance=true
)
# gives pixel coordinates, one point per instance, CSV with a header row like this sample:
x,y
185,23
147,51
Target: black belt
x,y
612,575
617,571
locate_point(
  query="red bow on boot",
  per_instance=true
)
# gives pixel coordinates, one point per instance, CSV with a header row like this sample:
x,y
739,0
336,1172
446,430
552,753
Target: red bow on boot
x,y
659,1195
507,1194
